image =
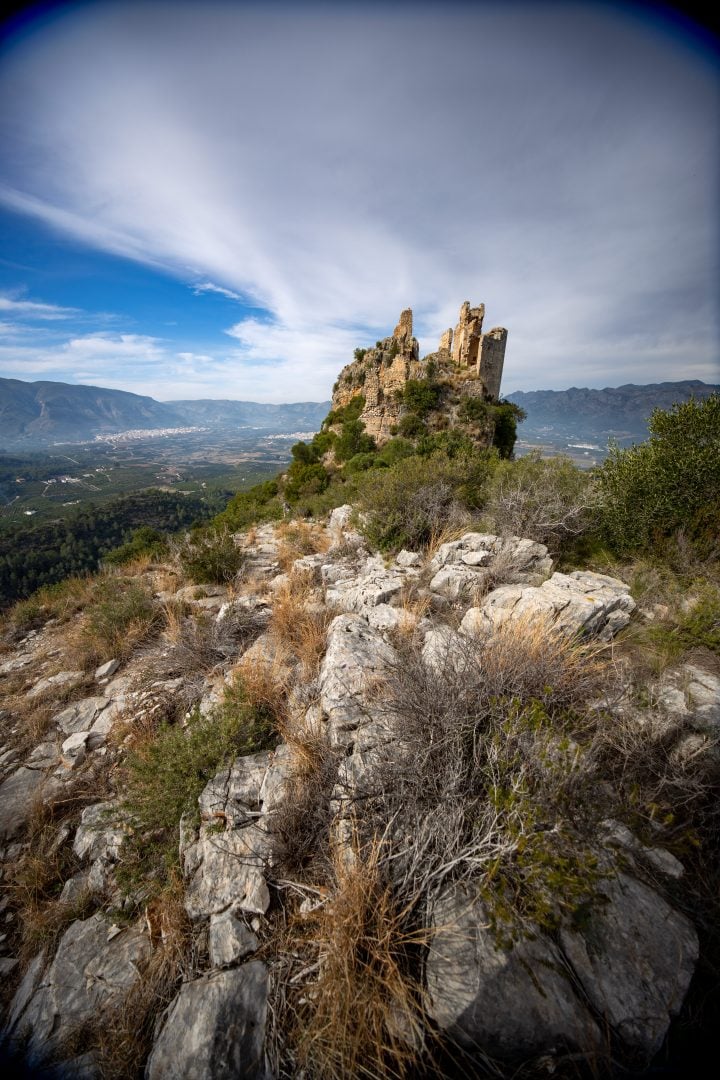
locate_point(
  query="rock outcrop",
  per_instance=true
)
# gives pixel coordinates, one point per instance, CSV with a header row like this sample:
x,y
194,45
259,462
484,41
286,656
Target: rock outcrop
x,y
468,363
605,984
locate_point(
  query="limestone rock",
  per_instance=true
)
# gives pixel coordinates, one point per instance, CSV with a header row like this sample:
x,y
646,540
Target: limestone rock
x,y
580,602
55,682
80,715
634,962
356,656
215,1029
510,1003
229,940
17,794
94,964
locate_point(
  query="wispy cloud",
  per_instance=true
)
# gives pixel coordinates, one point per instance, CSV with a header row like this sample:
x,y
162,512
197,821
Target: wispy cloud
x,y
209,287
555,161
31,309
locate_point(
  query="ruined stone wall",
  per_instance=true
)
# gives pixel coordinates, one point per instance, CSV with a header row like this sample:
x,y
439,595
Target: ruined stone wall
x,y
491,358
381,372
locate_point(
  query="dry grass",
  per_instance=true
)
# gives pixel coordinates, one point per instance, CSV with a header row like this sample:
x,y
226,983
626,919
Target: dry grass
x,y
265,685
120,615
299,621
35,880
358,1012
301,824
298,538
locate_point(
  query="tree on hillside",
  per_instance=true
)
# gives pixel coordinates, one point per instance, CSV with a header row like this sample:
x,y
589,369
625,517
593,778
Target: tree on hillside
x,y
672,481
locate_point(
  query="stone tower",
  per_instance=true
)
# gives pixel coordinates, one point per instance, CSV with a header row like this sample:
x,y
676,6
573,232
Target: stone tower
x,y
469,347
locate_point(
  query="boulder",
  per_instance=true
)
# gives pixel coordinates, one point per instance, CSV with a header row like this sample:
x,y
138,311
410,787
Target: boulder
x,y
511,1003
356,657
634,962
215,1029
576,603
52,683
17,795
80,715
95,963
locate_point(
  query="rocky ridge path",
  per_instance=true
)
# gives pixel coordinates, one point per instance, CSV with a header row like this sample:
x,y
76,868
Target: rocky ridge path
x,y
616,981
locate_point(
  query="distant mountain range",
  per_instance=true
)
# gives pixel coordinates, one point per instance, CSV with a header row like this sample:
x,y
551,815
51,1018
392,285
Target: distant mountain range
x,y
616,412
39,414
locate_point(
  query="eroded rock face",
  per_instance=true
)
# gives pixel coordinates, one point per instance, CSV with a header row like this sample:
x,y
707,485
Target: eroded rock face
x,y
95,963
356,656
512,1003
634,962
215,1029
627,972
580,602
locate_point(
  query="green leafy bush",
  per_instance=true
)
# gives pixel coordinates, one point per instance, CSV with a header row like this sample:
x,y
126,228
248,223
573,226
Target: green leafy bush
x,y
506,416
260,503
411,427
421,396
305,480
672,481
144,541
416,497
473,410
353,440
211,556
166,774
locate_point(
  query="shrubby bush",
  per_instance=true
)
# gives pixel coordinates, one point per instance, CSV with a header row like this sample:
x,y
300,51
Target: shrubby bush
x,y
406,504
671,481
144,541
548,500
210,556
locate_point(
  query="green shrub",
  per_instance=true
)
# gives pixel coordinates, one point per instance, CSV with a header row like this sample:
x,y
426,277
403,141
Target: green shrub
x,y
420,396
305,480
353,440
506,416
351,411
144,541
411,427
416,497
211,556
359,353
165,775
697,627
363,462
473,410
672,481
259,503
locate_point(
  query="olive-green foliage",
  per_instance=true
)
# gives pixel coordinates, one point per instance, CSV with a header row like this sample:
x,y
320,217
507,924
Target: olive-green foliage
x,y
359,353
548,500
260,503
421,396
353,440
351,411
144,541
473,410
166,774
411,426
417,496
672,481
304,480
506,416
211,556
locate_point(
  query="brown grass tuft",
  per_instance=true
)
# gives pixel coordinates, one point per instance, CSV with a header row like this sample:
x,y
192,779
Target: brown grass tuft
x,y
361,1013
300,621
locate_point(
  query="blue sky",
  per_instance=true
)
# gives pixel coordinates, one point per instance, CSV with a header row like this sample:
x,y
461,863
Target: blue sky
x,y
224,199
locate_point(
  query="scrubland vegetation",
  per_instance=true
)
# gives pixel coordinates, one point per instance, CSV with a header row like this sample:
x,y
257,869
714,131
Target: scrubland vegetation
x,y
508,757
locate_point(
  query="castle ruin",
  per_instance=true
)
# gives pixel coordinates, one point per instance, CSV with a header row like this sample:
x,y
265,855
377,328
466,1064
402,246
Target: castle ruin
x,y
467,346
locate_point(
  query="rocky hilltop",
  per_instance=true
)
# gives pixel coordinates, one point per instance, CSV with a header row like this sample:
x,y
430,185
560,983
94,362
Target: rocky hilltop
x,y
379,832
467,365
